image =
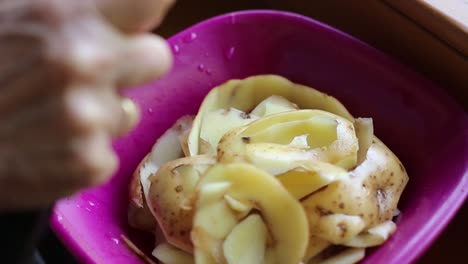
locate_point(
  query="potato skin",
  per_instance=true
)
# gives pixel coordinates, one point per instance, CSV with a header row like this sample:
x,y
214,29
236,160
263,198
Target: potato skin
x,y
358,194
372,192
139,216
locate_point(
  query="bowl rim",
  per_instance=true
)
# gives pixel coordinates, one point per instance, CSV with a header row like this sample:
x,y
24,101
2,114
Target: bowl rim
x,y
430,232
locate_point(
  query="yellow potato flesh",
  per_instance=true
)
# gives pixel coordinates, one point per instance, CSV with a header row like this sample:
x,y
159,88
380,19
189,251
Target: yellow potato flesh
x,y
345,183
365,134
247,242
216,123
166,148
274,105
332,140
374,236
310,177
168,254
246,94
338,228
276,205
171,197
371,194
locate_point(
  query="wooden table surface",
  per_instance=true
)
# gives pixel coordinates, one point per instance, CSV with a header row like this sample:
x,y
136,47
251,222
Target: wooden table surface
x,y
452,245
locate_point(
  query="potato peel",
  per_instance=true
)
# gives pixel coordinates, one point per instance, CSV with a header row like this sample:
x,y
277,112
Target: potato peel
x,y
263,154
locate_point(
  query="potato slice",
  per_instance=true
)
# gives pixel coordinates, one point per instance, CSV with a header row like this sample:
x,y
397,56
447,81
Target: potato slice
x,y
246,94
171,196
266,142
276,205
371,193
309,177
216,123
247,242
273,105
365,134
339,228
169,254
166,148
374,236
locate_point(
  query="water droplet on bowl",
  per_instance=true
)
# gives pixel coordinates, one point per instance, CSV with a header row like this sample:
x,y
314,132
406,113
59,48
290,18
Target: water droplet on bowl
x,y
208,71
175,49
201,67
190,37
150,110
115,240
230,53
59,217
91,203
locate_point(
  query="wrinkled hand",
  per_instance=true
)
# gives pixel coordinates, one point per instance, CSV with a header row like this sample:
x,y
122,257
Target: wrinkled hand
x,y
61,65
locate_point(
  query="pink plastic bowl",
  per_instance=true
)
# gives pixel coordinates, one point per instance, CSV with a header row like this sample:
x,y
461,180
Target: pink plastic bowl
x,y
417,120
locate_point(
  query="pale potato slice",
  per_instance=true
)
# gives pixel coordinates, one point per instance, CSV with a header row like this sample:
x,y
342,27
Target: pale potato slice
x,y
169,254
266,142
138,214
171,196
217,122
290,156
365,134
276,205
240,208
338,228
371,193
166,148
309,177
374,236
246,94
247,242
273,105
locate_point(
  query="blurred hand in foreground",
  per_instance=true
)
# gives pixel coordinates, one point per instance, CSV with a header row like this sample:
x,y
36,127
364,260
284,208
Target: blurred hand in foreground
x,y
62,63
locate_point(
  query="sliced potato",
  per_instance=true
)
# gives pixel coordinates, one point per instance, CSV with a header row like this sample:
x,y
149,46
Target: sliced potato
x,y
216,123
247,242
298,181
246,94
371,193
169,254
365,134
171,196
266,142
166,148
273,105
374,236
276,205
338,228
309,177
